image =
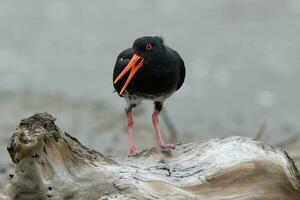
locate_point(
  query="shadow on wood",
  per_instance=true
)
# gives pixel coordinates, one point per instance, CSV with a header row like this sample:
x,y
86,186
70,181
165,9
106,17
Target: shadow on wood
x,y
51,164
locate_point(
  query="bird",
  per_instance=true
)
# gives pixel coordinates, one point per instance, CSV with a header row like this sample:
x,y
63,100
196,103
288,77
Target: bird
x,y
149,70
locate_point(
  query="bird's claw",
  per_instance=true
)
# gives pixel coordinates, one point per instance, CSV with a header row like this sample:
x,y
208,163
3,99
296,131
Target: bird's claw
x,y
132,151
164,146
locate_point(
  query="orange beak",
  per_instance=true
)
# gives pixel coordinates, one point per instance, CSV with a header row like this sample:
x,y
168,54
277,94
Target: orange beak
x,y
134,65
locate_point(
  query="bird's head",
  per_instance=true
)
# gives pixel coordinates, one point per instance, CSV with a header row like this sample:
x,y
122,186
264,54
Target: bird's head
x,y
147,50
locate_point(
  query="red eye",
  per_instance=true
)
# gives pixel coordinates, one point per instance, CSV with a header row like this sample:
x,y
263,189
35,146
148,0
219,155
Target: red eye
x,y
148,47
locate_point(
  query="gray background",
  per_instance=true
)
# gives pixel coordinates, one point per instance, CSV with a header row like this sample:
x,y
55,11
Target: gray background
x,y
242,60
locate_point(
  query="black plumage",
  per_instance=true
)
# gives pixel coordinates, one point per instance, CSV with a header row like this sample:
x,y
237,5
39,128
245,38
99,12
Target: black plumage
x,y
156,72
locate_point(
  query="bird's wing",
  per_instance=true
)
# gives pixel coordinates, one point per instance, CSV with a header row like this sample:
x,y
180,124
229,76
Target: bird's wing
x,y
180,64
182,74
122,61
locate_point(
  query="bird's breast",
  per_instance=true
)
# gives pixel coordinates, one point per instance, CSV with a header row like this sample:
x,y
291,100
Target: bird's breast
x,y
151,80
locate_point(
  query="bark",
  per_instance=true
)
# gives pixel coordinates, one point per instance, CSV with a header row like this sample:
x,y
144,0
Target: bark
x,y
53,165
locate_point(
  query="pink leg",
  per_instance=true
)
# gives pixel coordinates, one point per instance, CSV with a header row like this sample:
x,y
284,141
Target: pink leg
x,y
132,149
158,133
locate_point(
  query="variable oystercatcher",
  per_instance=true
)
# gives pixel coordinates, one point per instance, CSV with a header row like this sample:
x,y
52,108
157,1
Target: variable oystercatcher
x,y
148,71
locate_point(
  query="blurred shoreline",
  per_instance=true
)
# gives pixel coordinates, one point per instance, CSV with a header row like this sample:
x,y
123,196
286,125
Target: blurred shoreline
x,y
242,60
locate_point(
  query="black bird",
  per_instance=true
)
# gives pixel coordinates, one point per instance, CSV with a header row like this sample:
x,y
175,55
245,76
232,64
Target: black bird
x,y
148,71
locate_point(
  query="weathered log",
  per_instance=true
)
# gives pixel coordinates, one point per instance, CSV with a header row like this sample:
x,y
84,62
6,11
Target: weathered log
x,y
52,165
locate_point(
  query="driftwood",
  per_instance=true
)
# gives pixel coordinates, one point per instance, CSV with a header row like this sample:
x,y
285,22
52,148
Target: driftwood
x,y
52,165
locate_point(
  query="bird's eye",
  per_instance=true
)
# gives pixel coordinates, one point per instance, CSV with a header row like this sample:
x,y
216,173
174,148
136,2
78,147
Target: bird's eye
x,y
148,47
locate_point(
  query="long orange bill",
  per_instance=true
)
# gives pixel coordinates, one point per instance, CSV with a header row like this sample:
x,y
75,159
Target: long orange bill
x,y
134,65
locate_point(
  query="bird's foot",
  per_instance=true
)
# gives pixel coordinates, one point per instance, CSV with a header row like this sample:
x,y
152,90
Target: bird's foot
x,y
132,151
164,146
